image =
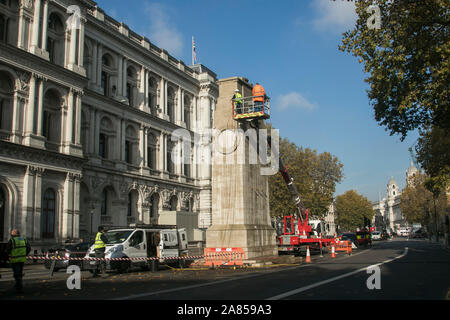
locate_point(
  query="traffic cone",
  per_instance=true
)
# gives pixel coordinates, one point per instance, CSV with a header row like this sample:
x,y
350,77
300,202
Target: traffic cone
x,y
333,254
308,256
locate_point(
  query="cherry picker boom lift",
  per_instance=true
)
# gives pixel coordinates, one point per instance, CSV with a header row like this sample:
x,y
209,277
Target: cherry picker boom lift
x,y
297,232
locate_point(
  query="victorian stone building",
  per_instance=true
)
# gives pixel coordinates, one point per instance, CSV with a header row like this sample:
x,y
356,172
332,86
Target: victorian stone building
x,y
87,112
388,213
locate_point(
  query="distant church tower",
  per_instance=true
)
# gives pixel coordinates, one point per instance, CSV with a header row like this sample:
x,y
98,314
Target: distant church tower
x,y
392,188
411,173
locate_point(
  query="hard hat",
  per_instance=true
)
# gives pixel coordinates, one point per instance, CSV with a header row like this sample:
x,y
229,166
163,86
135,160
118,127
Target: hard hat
x,y
237,90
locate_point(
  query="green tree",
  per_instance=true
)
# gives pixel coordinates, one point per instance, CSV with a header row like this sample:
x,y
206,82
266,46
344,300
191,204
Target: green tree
x,y
315,176
433,153
350,209
419,205
407,60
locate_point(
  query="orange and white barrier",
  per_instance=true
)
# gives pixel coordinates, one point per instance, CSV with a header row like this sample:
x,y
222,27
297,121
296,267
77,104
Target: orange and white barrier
x,y
224,257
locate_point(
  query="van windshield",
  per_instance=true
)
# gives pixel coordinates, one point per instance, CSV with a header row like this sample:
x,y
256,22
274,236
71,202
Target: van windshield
x,y
115,237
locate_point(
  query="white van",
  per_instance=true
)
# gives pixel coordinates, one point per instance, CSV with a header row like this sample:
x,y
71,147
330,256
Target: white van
x,y
151,242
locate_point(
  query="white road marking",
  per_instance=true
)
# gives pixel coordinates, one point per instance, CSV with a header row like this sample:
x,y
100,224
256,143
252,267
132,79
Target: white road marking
x,y
141,295
317,284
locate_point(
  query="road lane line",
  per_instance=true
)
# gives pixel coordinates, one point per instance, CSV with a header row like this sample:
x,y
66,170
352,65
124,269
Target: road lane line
x,y
317,284
141,295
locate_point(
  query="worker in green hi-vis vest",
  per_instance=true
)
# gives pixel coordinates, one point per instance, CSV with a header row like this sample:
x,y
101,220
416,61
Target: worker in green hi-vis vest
x,y
18,249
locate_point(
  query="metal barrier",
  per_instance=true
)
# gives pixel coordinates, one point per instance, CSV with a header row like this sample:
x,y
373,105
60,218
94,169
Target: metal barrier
x,y
344,246
224,257
246,107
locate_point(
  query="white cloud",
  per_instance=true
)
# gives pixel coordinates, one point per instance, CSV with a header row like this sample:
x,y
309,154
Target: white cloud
x,y
337,16
294,100
162,32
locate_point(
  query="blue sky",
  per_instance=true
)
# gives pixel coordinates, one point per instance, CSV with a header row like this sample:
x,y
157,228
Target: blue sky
x,y
318,93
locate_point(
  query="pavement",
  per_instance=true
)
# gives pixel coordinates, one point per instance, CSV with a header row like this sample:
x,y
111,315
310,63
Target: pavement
x,y
408,270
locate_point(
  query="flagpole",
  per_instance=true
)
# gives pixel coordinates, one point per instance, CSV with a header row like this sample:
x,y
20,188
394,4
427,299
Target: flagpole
x,y
192,50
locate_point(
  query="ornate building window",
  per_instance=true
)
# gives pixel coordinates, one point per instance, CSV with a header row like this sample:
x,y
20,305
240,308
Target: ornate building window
x,y
152,95
2,211
107,68
102,148
152,151
51,124
48,214
56,39
131,144
6,98
3,28
170,164
104,203
131,86
187,112
171,104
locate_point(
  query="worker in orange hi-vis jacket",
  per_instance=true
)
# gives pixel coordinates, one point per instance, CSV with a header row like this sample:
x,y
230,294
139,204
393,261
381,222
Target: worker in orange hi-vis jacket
x,y
259,95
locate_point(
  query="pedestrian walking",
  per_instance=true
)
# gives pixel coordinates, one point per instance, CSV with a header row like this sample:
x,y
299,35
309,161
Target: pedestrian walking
x,y
18,248
99,248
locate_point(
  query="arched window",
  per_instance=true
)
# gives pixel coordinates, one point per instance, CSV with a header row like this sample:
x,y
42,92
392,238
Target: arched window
x,y
3,28
152,95
51,119
2,211
104,203
171,104
131,143
6,99
55,39
48,214
107,68
173,203
170,160
154,200
187,112
131,85
152,151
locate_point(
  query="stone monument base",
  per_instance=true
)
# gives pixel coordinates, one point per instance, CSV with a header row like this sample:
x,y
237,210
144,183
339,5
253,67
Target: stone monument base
x,y
255,240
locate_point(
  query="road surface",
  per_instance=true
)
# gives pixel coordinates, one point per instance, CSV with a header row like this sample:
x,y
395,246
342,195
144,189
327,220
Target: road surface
x,y
409,269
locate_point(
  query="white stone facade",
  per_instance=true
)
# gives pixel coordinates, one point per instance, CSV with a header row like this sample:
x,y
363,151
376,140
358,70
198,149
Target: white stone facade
x,y
388,213
87,112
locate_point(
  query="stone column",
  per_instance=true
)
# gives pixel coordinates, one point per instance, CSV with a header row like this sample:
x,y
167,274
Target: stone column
x,y
162,97
70,118
99,64
142,130
97,132
21,30
40,107
146,155
122,140
73,46
16,112
142,89
81,45
76,206
124,78
36,26
94,64
44,26
78,105
36,232
119,77
68,201
92,130
29,124
178,108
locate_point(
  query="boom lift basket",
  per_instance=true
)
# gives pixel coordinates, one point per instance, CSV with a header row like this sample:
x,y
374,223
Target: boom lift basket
x,y
247,108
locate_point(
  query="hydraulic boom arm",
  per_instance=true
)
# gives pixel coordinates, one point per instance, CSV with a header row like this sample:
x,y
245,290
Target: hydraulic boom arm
x,y
301,210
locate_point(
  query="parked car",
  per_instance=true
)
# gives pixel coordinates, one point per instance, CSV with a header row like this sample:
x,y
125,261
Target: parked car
x,y
418,234
349,237
376,235
67,252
